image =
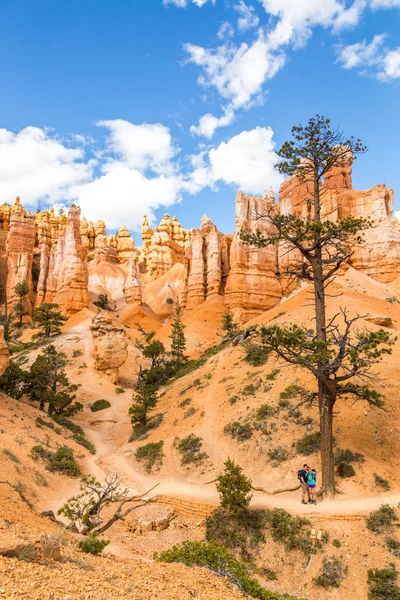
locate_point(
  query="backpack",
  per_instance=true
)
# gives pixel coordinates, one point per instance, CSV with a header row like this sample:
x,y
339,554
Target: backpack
x,y
300,475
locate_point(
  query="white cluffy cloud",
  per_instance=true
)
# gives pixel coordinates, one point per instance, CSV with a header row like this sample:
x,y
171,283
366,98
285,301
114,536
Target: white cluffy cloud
x,y
134,173
142,147
372,58
247,18
37,165
362,54
237,73
246,161
184,3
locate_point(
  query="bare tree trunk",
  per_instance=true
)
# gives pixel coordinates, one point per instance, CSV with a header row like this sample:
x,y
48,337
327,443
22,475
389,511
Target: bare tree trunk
x,y
327,459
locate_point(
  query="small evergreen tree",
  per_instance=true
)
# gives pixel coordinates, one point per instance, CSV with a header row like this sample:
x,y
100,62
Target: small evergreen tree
x,y
177,337
48,319
228,323
144,399
47,383
234,489
102,302
21,289
12,380
155,351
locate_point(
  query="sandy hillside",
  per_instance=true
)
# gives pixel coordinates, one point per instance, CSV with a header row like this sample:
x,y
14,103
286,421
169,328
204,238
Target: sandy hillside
x,y
223,389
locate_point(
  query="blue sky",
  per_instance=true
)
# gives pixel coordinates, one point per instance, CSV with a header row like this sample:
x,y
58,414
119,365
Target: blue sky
x,y
106,101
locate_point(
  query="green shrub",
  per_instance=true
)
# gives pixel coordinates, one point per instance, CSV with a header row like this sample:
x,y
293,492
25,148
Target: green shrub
x,y
382,519
233,399
40,453
292,391
11,455
271,376
337,543
345,470
141,432
347,456
77,353
220,561
242,532
68,424
185,402
189,413
63,461
190,449
268,574
239,431
93,544
278,455
393,544
249,390
381,483
100,405
332,574
309,444
42,423
82,441
264,412
151,454
256,355
294,532
383,584
119,390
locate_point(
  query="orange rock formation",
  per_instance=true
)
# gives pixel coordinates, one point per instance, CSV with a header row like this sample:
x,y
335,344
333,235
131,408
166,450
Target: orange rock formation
x,y
109,346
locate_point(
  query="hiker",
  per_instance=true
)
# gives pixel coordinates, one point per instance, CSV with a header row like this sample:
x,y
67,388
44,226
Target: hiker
x,y
302,476
312,482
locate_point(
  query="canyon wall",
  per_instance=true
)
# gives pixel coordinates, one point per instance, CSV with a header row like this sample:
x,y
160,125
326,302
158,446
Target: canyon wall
x,y
253,285
52,252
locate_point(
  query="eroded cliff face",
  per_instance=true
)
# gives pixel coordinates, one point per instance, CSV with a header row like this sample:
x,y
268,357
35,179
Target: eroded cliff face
x,y
109,346
379,254
4,353
189,266
253,285
208,263
67,281
20,244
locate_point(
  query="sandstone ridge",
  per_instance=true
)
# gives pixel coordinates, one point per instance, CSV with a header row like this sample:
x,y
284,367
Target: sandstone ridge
x,y
56,254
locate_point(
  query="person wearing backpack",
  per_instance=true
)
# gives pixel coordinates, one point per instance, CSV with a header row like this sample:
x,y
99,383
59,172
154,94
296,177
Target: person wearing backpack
x,y
302,476
312,483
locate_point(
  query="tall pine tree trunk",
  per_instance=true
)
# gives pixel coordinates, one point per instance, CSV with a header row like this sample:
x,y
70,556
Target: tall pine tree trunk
x,y
325,399
326,404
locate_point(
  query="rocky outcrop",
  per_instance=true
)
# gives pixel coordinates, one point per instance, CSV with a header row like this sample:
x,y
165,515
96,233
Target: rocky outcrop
x,y
252,285
109,346
133,286
125,245
20,244
379,254
208,263
67,283
164,247
4,353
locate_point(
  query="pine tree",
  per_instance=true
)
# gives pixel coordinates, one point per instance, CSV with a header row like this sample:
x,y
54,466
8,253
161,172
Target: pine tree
x,y
177,337
144,399
46,382
102,302
21,289
339,358
234,489
228,322
48,319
